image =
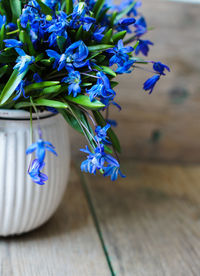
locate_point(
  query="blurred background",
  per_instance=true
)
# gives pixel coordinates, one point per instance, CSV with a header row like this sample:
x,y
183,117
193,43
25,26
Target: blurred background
x,y
165,124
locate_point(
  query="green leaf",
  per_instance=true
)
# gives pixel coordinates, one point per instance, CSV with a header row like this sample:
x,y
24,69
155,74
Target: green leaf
x,y
3,70
45,9
107,37
25,38
79,33
8,55
69,6
11,85
114,83
50,90
42,102
113,18
120,35
70,120
111,134
16,8
84,101
2,33
99,4
99,47
107,149
41,85
61,42
108,71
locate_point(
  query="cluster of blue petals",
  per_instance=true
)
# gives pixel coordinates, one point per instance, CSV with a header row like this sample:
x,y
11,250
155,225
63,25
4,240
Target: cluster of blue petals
x,y
58,34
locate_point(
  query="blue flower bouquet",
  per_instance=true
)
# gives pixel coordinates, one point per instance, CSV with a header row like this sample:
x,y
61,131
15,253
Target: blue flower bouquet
x,y
63,56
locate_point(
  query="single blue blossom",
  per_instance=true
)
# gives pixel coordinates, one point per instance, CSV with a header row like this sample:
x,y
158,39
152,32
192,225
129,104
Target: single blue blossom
x,y
101,134
119,53
143,47
23,61
124,23
150,83
160,67
75,55
98,34
74,81
102,89
125,68
9,43
20,90
113,172
37,78
40,148
140,27
35,172
2,20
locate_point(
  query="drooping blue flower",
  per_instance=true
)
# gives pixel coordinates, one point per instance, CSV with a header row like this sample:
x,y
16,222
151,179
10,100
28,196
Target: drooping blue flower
x,y
113,172
113,123
40,148
160,67
23,61
150,83
140,27
74,80
124,23
35,172
75,55
2,20
119,53
20,90
9,43
125,68
102,89
143,47
101,134
94,161
11,27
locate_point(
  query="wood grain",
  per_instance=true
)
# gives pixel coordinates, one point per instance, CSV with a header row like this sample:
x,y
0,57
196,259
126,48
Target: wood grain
x,y
151,220
67,245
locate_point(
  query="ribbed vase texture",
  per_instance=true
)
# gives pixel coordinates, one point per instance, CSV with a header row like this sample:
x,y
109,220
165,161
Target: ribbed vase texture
x,y
25,205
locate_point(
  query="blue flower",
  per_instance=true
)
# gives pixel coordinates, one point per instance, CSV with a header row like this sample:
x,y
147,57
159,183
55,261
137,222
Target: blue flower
x,y
124,23
95,161
9,43
101,134
11,27
102,89
35,172
20,90
74,80
98,34
37,78
23,61
113,123
143,47
141,26
40,148
160,67
119,54
51,3
150,83
113,172
2,20
125,68
75,55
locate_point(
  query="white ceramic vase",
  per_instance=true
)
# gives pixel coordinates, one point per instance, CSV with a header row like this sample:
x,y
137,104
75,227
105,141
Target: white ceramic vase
x,y
25,205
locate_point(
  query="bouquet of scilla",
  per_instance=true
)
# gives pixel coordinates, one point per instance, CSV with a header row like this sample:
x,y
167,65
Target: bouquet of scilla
x,y
63,56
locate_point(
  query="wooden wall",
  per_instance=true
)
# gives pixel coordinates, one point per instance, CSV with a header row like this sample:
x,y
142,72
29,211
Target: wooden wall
x,y
164,125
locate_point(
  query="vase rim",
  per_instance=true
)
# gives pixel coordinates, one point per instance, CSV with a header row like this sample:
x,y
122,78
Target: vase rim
x,y
12,114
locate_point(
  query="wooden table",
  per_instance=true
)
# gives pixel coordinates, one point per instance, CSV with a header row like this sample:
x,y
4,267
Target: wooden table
x,y
147,224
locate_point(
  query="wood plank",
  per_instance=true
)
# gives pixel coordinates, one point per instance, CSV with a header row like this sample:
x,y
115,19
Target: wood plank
x,y
163,125
67,245
151,220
